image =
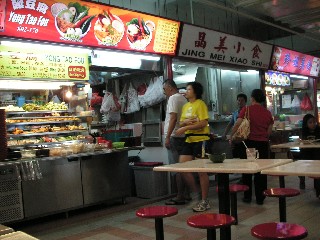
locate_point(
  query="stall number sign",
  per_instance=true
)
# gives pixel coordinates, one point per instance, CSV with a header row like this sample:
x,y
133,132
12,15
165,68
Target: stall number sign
x,y
22,63
88,24
294,62
204,44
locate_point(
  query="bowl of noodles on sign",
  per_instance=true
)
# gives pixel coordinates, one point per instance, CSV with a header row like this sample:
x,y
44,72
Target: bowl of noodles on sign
x,y
72,21
139,33
108,29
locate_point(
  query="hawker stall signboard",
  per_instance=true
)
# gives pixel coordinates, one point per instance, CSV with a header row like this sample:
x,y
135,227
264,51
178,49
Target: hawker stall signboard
x,y
209,45
24,63
277,78
286,60
89,24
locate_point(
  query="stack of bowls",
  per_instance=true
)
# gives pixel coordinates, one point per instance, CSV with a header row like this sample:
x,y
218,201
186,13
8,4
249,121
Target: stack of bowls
x,y
3,135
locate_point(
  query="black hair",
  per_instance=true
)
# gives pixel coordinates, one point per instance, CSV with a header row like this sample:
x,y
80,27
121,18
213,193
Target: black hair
x,y
197,88
305,120
242,95
170,83
258,95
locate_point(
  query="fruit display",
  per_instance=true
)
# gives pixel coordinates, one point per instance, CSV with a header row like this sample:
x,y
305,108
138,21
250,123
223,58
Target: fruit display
x,y
48,106
11,108
44,129
47,119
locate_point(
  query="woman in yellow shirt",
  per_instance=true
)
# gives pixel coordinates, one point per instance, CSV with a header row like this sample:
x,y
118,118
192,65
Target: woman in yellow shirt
x,y
194,124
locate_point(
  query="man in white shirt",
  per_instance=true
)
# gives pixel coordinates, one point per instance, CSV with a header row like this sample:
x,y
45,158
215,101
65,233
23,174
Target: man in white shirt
x,y
174,143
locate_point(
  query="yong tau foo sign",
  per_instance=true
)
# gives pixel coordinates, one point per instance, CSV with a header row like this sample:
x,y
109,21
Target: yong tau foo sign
x,y
286,60
89,24
204,44
23,63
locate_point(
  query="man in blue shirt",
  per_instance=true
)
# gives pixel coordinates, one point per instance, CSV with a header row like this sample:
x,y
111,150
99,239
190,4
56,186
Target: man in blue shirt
x,y
236,148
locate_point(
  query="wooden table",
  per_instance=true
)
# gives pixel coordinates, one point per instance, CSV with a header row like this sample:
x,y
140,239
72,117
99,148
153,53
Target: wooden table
x,y
308,168
223,170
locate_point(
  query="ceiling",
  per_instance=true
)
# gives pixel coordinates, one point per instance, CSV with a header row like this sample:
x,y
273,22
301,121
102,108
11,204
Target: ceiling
x,y
299,15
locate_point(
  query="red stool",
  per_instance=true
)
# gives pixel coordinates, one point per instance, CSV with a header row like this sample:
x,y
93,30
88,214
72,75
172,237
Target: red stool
x,y
158,213
211,222
234,189
273,230
281,193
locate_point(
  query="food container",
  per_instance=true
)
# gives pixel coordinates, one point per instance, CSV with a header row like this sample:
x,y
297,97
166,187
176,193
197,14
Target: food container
x,y
30,153
89,147
118,145
77,148
66,150
55,152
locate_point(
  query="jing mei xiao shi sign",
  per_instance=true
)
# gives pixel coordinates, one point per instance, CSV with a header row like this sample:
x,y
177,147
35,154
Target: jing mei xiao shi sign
x,y
204,44
23,63
286,60
88,24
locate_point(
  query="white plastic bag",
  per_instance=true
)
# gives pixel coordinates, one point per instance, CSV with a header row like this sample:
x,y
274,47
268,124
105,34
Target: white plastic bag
x,y
124,99
110,103
295,102
132,100
154,93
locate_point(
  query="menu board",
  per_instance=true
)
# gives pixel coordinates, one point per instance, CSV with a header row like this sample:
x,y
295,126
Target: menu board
x,y
89,24
23,63
294,62
277,78
209,45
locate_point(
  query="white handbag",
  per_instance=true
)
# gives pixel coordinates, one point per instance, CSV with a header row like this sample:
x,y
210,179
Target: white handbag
x,y
243,131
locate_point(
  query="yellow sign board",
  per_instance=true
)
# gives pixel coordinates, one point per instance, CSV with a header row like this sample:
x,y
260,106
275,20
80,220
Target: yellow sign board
x,y
39,64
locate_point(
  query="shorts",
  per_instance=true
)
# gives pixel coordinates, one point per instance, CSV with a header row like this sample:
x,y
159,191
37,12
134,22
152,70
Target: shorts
x,y
176,145
192,149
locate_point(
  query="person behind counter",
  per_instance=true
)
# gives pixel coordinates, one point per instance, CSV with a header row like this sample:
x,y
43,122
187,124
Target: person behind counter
x,y
194,124
261,123
236,147
173,143
310,131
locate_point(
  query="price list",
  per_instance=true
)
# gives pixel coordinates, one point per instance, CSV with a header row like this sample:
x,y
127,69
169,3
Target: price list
x,y
45,66
166,37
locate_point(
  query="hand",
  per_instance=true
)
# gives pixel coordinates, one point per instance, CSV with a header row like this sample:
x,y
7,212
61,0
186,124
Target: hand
x,y
167,143
190,121
181,130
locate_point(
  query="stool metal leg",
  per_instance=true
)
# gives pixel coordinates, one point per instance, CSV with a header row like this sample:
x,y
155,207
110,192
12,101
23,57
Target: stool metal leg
x,y
233,203
211,234
282,209
281,182
159,229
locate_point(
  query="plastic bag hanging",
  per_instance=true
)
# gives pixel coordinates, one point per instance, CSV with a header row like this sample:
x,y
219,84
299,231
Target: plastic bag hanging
x,y
124,99
306,104
133,101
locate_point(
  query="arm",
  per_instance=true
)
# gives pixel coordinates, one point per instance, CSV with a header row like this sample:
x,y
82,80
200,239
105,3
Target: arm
x,y
236,126
188,121
229,126
196,126
172,124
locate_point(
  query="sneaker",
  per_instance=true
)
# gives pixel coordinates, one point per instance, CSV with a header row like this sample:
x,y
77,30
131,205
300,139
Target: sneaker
x,y
202,206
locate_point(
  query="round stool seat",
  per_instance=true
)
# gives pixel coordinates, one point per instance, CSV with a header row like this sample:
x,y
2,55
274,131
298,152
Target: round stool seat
x,y
281,192
279,230
156,212
210,220
234,188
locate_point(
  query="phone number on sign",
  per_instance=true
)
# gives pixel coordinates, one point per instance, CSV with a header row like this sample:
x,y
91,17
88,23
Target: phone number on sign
x,y
27,29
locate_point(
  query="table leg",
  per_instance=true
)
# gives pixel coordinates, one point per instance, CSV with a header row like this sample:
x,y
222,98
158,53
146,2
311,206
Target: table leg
x,y
159,229
224,202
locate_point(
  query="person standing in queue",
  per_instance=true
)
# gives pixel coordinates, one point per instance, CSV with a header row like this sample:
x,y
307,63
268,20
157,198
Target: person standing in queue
x,y
261,123
310,131
173,143
194,124
237,147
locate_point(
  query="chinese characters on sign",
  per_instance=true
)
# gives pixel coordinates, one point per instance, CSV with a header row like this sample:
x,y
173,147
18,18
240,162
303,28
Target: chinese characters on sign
x,y
89,24
23,63
211,45
294,62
